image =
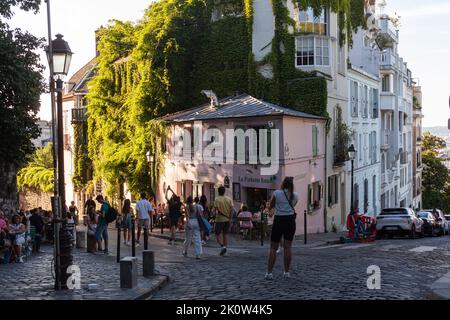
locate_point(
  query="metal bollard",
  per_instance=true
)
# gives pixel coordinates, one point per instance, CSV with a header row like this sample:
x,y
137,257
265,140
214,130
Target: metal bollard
x,y
133,237
118,241
145,238
306,227
262,229
148,263
162,223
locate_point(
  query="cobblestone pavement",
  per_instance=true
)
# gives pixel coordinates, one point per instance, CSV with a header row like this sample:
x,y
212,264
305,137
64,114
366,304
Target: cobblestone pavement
x,y
100,279
408,269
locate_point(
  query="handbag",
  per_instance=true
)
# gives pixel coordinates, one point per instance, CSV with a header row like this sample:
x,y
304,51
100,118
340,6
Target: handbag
x,y
289,201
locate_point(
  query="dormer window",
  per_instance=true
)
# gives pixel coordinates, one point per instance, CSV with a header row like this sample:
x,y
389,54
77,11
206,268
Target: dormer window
x,y
308,23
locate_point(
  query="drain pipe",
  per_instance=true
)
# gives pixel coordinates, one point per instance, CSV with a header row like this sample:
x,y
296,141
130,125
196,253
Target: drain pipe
x,y
325,212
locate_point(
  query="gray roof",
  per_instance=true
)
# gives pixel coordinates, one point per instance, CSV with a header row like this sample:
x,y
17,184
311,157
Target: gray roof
x,y
241,106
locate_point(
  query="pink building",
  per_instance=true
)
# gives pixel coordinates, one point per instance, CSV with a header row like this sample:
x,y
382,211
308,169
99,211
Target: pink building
x,y
289,142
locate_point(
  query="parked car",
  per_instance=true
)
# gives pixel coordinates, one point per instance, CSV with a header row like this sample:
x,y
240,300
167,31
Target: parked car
x,y
440,217
431,226
399,221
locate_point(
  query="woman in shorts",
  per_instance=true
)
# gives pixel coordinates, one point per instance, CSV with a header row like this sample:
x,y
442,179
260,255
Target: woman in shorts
x,y
17,232
284,201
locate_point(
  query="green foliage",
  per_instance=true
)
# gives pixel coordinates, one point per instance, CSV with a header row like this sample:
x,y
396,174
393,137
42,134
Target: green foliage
x,y
21,84
161,64
436,181
82,163
38,174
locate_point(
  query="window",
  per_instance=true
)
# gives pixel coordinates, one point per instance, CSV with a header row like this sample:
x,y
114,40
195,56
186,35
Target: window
x,y
386,83
354,98
308,23
364,102
312,51
333,190
315,141
374,103
314,196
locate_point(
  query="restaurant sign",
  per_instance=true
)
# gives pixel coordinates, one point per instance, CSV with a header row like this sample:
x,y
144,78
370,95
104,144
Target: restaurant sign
x,y
267,180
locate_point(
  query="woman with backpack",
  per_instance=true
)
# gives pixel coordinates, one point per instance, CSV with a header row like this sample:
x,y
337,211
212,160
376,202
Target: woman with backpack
x,y
194,213
284,201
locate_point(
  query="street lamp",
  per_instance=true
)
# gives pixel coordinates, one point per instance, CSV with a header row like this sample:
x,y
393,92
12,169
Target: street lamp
x,y
151,159
59,57
351,156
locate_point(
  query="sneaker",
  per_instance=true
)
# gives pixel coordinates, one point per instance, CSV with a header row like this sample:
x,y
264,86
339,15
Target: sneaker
x,y
286,275
137,244
124,243
268,276
223,251
128,243
279,250
197,257
203,242
106,251
185,254
20,260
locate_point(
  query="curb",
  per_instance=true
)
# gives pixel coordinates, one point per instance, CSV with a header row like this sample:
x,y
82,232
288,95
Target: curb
x,y
441,288
160,282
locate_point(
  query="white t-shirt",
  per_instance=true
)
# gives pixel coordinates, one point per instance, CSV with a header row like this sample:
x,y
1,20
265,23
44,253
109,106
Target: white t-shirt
x,y
282,206
143,208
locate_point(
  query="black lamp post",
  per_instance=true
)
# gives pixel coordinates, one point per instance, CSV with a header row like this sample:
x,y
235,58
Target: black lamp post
x,y
351,156
59,57
151,159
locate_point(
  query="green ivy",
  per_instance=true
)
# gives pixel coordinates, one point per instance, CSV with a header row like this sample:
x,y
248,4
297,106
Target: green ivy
x,y
160,65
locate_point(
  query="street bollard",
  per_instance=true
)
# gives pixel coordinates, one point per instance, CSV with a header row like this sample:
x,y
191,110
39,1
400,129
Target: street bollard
x,y
162,224
145,238
148,263
306,227
133,237
262,229
118,241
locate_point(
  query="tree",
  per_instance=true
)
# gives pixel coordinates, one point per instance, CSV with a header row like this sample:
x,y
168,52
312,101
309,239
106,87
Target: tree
x,y
21,84
38,174
436,182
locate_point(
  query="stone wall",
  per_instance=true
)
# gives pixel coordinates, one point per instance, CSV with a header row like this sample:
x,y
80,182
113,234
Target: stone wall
x,y
30,199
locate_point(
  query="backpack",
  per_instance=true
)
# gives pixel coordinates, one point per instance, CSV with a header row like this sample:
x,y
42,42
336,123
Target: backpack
x,y
111,215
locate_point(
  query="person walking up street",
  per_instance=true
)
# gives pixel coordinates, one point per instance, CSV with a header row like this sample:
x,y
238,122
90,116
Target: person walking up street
x,y
193,214
144,211
74,212
174,204
127,211
37,222
284,201
101,232
224,215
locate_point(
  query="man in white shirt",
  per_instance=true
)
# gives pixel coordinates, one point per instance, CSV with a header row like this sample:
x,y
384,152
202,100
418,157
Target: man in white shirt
x,y
144,210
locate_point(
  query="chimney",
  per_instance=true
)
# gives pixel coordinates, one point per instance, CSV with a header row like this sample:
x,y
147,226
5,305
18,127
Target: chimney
x,y
214,100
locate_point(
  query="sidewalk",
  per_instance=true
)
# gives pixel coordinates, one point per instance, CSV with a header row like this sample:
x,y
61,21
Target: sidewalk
x,y
100,279
313,240
441,288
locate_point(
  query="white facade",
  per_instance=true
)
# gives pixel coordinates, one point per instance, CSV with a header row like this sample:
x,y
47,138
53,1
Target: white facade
x,y
46,134
397,118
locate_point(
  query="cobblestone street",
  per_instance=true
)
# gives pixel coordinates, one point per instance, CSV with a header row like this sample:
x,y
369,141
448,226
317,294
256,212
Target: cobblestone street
x,y
408,268
320,271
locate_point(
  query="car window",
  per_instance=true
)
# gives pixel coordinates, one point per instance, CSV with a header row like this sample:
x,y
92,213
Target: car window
x,y
389,212
447,218
423,215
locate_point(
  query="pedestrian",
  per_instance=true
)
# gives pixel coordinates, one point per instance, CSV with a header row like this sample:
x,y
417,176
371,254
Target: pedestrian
x,y
74,211
144,211
101,232
245,220
224,214
284,201
193,214
17,232
38,223
206,216
127,212
174,204
91,229
89,203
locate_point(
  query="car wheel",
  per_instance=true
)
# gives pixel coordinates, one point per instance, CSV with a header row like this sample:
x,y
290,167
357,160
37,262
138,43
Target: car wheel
x,y
413,232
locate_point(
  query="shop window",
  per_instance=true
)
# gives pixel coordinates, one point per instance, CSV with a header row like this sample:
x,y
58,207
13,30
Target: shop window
x,y
314,196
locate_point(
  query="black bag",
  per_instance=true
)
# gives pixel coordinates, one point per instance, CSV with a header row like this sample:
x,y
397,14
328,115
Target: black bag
x,y
111,215
290,204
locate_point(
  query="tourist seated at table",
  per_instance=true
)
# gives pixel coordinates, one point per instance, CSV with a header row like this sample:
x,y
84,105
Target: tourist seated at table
x,y
245,218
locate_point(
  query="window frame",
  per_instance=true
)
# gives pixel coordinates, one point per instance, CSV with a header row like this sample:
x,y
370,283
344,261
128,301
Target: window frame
x,y
315,57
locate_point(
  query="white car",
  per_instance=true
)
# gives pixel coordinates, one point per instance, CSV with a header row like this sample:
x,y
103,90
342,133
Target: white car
x,y
399,221
440,217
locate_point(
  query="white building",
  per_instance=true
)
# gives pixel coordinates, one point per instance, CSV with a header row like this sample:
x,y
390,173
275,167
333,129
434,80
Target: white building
x,y
396,118
46,134
364,119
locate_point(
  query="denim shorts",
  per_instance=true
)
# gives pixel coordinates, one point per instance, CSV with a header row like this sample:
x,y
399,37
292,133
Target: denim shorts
x,y
126,222
101,232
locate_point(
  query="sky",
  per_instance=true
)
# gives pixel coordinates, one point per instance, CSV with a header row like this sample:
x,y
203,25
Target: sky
x,y
424,40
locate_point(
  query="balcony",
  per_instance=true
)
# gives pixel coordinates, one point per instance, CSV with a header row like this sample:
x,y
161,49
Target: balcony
x,y
79,115
387,101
